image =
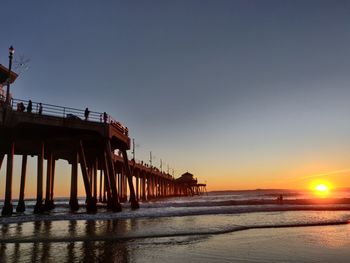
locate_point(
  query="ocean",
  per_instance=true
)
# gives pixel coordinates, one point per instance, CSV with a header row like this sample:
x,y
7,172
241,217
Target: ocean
x,y
231,226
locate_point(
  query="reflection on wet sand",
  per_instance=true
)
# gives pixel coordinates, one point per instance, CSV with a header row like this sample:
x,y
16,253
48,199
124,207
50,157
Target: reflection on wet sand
x,y
67,251
166,239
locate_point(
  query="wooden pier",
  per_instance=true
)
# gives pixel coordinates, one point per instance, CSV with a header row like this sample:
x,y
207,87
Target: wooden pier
x,y
94,140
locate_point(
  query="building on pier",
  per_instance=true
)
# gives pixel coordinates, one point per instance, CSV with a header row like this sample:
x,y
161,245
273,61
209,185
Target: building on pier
x,y
189,185
4,79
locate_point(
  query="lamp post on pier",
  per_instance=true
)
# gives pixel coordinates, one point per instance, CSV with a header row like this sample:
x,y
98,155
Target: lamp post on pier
x,y
150,159
133,149
11,52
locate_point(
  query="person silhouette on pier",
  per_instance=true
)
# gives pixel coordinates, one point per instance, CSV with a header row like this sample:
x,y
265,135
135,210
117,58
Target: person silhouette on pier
x,y
87,112
105,117
280,199
30,106
40,109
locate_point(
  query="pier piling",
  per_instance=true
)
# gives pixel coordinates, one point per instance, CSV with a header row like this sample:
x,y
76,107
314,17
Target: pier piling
x,y
48,181
53,166
90,201
133,201
73,201
39,192
8,208
61,134
21,205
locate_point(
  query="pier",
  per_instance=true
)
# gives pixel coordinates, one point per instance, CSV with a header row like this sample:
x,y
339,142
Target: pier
x,y
92,140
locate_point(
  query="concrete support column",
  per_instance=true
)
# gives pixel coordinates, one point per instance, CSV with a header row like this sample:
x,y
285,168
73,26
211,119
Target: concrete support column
x,y
153,190
114,200
101,178
148,188
109,162
151,178
140,187
90,201
8,208
89,174
104,197
2,156
121,185
39,190
95,178
48,181
21,206
106,179
161,187
73,201
53,166
144,188
133,201
137,187
126,187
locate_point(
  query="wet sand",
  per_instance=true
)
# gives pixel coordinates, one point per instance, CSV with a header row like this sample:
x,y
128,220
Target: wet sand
x,y
213,238
304,244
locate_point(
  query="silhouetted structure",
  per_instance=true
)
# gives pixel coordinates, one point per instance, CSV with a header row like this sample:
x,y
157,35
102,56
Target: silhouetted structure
x,y
53,132
4,79
188,185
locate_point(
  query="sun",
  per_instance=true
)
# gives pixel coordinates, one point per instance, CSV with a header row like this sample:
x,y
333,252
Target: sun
x,y
321,188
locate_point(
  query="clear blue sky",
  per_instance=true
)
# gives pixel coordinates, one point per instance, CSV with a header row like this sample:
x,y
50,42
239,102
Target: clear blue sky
x,y
244,94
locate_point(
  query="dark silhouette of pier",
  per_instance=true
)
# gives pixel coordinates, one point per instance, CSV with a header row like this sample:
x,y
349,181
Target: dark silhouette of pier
x,y
92,139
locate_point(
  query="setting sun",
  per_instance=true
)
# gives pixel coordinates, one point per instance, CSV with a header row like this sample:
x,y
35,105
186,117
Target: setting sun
x,y
321,188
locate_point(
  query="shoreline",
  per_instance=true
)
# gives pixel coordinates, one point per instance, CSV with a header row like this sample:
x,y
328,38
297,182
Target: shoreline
x,y
234,228
171,212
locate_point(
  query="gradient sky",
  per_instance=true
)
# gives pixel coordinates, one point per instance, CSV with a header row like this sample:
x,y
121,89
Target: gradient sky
x,y
244,94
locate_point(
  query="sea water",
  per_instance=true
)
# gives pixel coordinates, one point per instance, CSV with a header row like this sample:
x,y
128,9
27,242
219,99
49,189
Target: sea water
x,y
237,226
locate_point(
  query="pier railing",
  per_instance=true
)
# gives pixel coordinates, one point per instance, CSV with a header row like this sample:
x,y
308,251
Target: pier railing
x,y
65,112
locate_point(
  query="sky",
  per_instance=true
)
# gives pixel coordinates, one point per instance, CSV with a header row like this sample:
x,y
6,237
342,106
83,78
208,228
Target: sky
x,y
243,94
